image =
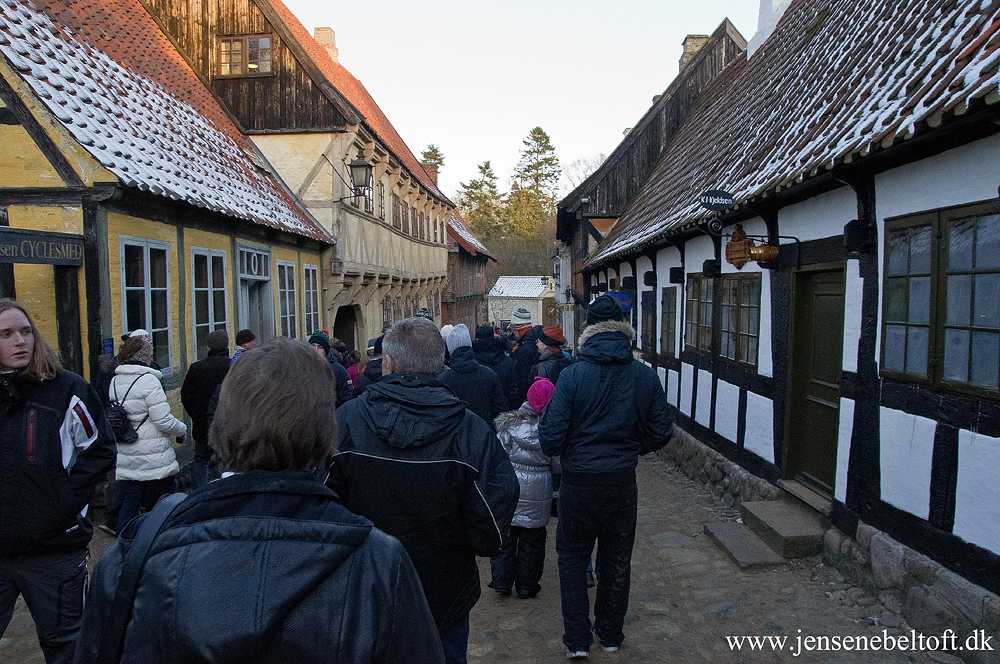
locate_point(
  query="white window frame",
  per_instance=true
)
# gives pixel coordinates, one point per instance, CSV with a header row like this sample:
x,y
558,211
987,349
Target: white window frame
x,y
147,244
288,323
313,320
213,324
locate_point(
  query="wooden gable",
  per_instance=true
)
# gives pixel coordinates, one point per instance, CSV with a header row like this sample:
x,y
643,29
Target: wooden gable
x,y
293,97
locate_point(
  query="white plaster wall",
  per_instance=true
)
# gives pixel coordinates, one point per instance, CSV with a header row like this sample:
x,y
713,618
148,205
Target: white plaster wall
x,y
963,175
760,426
662,373
696,252
765,363
906,450
687,379
820,216
844,448
977,499
727,410
667,258
703,412
625,269
673,388
852,316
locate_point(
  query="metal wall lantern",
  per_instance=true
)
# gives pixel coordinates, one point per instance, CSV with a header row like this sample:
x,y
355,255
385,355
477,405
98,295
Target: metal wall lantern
x,y
361,175
741,249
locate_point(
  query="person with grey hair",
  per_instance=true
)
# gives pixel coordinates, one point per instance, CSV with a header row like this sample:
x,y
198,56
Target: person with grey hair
x,y
412,458
473,383
147,467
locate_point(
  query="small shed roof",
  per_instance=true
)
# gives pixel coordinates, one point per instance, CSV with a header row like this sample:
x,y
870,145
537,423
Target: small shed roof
x,y
522,287
459,230
836,81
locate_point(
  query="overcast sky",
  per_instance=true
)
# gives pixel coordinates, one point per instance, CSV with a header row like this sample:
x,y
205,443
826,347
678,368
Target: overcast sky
x,y
474,77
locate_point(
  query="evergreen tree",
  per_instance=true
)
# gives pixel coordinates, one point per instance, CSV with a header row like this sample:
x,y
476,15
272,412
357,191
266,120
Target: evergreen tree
x,y
432,155
482,205
538,170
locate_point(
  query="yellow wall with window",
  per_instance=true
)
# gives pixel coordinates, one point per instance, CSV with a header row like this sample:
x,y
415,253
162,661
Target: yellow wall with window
x,y
214,242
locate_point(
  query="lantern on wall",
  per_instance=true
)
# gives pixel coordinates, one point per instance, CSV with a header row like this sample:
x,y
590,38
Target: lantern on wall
x,y
741,249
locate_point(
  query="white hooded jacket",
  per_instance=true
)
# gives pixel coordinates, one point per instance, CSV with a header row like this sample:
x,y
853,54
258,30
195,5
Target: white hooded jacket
x,y
151,457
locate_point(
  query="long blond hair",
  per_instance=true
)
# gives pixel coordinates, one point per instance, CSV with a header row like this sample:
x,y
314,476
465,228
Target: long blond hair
x,y
44,363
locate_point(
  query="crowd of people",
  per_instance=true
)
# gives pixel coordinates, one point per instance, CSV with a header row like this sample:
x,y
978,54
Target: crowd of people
x,y
339,500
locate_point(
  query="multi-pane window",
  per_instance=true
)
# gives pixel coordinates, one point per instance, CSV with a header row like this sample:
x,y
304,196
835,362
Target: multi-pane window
x,y
435,230
406,216
668,321
740,317
397,308
413,221
381,201
386,311
145,275
396,220
209,290
288,321
310,298
422,225
437,303
240,56
941,312
699,312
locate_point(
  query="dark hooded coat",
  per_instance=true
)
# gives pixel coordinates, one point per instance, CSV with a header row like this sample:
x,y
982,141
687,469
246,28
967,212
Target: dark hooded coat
x,y
414,460
475,384
492,353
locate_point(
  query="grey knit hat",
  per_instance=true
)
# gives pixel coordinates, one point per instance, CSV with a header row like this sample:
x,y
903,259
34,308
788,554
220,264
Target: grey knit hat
x,y
521,316
458,337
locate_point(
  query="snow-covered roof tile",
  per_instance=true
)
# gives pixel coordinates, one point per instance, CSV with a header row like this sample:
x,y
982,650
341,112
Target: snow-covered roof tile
x,y
458,229
166,136
524,287
836,81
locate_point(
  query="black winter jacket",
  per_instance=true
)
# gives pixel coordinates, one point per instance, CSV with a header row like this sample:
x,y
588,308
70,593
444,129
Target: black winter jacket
x,y
199,384
414,460
371,374
344,391
475,384
492,353
608,408
551,366
55,446
525,356
266,567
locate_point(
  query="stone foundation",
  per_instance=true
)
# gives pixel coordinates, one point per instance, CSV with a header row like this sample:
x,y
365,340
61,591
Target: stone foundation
x,y
725,479
929,597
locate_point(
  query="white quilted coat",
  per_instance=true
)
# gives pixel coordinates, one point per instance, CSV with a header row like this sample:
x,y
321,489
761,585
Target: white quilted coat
x,y
151,457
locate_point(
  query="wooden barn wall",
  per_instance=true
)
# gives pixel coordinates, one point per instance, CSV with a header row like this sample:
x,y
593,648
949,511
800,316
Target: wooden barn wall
x,y
287,100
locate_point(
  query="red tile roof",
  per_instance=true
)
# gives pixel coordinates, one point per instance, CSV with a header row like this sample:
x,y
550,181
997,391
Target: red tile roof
x,y
358,96
836,81
108,74
459,230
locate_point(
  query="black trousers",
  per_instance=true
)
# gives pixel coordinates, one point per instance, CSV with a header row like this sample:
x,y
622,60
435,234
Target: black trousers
x,y
520,562
607,515
53,586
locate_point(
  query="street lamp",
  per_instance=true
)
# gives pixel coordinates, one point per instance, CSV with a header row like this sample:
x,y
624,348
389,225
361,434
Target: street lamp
x,y
361,174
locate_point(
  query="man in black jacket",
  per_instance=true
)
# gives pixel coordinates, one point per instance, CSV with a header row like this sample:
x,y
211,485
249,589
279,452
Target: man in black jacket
x,y
199,385
412,458
491,352
373,369
608,408
471,382
266,565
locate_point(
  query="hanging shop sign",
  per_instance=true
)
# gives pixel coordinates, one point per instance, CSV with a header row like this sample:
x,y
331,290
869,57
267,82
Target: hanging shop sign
x,y
18,245
716,200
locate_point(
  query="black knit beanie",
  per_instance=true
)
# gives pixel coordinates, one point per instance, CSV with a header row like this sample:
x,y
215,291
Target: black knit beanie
x,y
604,308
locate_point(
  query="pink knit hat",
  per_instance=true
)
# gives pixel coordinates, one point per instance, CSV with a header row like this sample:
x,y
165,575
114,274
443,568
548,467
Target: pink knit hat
x,y
539,394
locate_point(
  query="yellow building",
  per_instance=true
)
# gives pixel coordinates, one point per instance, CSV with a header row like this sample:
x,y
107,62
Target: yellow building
x,y
129,199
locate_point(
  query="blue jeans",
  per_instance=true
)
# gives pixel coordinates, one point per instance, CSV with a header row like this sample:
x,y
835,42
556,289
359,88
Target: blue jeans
x,y
455,641
202,464
520,562
607,515
144,494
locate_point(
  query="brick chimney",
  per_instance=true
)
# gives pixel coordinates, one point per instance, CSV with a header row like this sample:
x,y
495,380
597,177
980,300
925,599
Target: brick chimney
x,y
692,44
328,40
432,171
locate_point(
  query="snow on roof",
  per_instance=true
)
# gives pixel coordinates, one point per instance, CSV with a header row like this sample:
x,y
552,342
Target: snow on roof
x,y
523,287
354,91
836,81
150,138
458,229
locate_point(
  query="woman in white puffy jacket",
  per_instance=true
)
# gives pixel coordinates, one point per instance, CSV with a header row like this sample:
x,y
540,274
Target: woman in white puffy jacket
x,y
147,467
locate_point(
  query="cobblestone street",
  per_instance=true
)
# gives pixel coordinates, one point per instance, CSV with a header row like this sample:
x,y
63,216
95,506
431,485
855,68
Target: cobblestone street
x,y
687,597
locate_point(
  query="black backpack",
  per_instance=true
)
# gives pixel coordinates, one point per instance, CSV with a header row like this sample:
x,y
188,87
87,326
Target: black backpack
x,y
121,425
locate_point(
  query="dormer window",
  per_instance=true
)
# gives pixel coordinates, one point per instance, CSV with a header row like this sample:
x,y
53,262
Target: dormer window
x,y
244,56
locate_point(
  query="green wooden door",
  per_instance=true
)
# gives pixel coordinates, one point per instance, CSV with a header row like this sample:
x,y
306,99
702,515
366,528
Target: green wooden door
x,y
816,366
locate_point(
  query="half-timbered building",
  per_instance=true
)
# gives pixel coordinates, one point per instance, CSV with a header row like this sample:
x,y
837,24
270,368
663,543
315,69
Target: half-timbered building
x,y
837,327
465,299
